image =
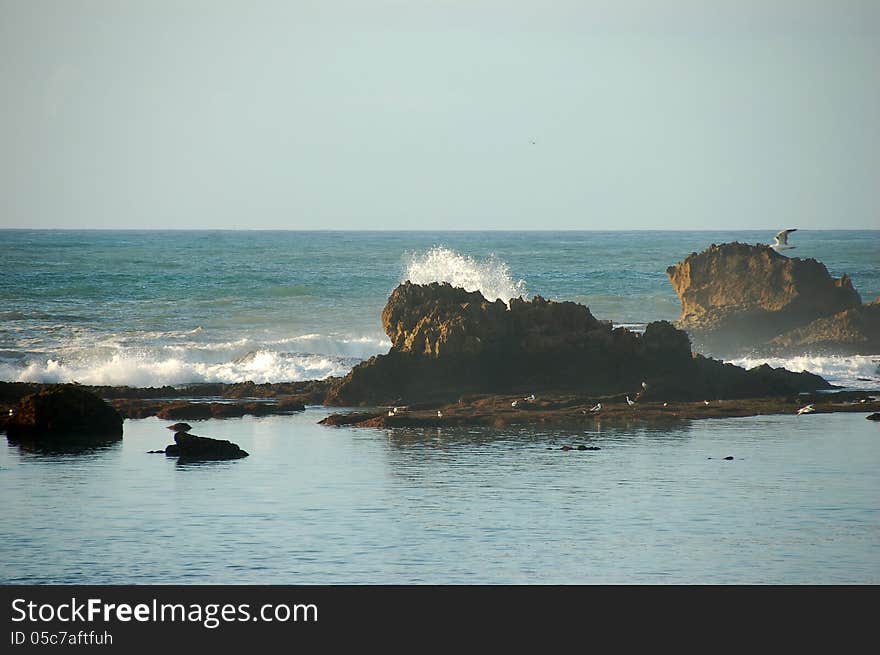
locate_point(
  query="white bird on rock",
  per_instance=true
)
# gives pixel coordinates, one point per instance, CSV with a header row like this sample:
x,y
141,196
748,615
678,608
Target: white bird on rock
x,y
597,408
513,404
629,402
780,241
809,409
530,398
439,414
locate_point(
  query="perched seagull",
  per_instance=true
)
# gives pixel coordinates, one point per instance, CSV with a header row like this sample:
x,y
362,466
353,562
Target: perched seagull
x,y
597,408
705,402
513,404
439,414
645,386
180,427
809,409
780,242
530,398
665,404
390,413
629,402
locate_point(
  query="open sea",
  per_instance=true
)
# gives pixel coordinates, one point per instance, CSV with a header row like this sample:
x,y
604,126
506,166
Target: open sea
x,y
800,502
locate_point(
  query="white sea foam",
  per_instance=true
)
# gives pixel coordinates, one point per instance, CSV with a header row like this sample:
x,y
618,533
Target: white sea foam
x,y
146,363
853,372
490,276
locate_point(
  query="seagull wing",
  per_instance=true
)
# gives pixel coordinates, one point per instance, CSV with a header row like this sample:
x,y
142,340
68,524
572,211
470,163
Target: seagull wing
x,y
782,237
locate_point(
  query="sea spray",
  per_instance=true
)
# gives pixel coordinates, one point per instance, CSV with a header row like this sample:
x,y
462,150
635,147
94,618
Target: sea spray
x,y
141,360
851,371
489,276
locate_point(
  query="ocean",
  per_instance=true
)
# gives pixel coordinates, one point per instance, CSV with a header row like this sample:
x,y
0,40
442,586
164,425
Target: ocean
x,y
799,503
148,308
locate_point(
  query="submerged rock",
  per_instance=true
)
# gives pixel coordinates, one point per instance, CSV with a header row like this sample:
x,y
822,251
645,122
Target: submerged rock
x,y
64,411
447,342
191,447
737,295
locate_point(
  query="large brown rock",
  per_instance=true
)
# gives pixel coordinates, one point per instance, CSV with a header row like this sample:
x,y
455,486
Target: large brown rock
x,y
441,320
737,295
63,411
852,331
447,342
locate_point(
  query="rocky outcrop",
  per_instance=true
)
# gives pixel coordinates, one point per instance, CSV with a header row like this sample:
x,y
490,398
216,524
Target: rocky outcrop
x,y
736,295
63,412
190,447
852,331
447,342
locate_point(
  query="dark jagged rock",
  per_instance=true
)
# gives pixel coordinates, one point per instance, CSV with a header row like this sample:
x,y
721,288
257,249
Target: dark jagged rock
x,y
873,417
190,411
293,404
736,295
63,411
190,447
447,342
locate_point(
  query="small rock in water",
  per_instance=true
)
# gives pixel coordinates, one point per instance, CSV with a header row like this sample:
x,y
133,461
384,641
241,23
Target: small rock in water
x,y
873,417
565,448
190,447
729,457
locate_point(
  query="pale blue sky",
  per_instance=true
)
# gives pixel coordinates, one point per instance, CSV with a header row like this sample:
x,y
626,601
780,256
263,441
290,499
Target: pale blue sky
x,y
440,114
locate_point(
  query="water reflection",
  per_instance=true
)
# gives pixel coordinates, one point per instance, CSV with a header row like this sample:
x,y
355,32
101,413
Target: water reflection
x,y
193,464
449,438
69,446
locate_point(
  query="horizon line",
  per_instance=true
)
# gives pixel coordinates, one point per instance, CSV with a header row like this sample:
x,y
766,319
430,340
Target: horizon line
x,y
421,230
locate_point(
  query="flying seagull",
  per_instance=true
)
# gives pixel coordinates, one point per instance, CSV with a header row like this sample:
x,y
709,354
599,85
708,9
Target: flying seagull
x,y
780,241
809,409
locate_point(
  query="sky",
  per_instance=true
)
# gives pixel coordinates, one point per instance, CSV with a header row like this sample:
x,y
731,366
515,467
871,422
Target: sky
x,y
440,114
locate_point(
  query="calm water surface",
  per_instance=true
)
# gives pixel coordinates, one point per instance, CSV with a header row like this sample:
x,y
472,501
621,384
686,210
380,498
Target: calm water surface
x,y
800,503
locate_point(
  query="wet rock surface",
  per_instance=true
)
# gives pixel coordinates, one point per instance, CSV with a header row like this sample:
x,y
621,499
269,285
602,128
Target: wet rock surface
x,y
574,410
63,411
191,447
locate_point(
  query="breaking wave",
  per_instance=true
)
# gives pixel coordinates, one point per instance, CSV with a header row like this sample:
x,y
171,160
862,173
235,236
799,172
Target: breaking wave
x,y
850,371
490,276
146,363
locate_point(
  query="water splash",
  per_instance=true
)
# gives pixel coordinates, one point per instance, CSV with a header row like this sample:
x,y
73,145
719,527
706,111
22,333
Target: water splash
x,y
144,360
852,372
490,276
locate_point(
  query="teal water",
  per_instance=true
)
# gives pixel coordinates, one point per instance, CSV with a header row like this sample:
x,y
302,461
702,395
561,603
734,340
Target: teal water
x,y
800,503
164,307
